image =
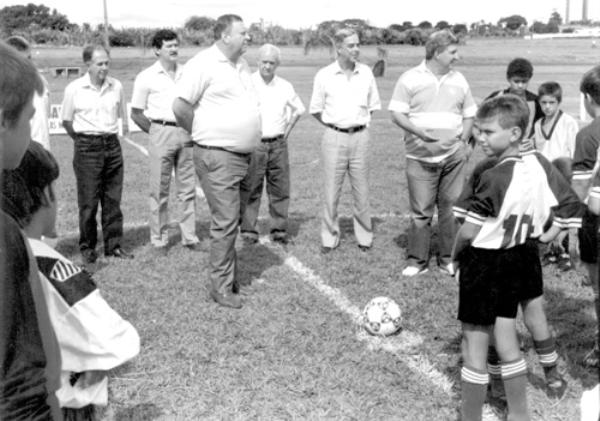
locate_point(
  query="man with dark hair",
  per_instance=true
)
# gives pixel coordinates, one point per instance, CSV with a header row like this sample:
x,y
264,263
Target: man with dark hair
x,y
433,104
91,108
216,102
40,131
169,145
29,354
344,97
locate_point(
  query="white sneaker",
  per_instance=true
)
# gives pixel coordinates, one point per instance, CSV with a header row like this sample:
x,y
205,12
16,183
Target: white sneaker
x,y
447,269
413,270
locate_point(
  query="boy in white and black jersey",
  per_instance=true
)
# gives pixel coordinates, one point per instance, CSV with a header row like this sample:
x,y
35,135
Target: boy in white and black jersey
x,y
505,209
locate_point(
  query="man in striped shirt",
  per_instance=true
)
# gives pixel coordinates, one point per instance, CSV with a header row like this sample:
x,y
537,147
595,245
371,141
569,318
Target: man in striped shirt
x,y
433,104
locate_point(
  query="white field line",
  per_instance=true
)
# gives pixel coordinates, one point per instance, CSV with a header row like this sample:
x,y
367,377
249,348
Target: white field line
x,y
401,346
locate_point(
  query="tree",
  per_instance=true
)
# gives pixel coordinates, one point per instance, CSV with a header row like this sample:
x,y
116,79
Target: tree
x,y
460,29
21,17
538,27
199,23
555,18
442,25
513,22
407,24
425,25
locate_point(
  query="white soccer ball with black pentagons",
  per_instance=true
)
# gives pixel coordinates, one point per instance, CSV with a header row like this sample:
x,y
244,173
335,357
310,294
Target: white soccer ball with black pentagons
x,y
382,316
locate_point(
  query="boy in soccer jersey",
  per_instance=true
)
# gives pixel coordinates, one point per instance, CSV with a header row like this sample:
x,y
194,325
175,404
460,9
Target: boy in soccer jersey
x,y
584,163
518,74
92,337
504,210
554,137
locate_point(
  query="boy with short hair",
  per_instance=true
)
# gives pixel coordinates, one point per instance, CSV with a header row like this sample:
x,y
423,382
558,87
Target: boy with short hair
x,y
518,74
92,336
555,139
585,163
504,210
29,355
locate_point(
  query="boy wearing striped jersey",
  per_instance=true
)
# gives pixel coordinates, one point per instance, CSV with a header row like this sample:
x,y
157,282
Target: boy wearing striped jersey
x,y
504,208
92,337
584,165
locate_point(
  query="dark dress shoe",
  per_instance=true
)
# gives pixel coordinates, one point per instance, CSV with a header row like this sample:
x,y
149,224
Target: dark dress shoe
x,y
193,247
326,250
226,300
119,253
89,256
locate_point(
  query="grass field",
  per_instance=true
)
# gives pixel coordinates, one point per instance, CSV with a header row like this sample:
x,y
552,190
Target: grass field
x,y
295,351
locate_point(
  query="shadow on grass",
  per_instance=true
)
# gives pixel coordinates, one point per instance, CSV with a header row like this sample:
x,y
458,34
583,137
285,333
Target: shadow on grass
x,y
140,412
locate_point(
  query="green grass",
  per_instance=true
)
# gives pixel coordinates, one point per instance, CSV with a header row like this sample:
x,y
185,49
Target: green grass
x,y
290,353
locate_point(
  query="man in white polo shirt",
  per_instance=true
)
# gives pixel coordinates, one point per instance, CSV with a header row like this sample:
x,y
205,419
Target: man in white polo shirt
x,y
433,104
280,109
343,98
169,145
216,102
91,109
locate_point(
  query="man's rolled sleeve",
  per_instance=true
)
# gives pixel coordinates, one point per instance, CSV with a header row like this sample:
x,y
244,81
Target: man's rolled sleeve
x,y
374,100
140,94
191,84
68,109
317,100
469,106
400,101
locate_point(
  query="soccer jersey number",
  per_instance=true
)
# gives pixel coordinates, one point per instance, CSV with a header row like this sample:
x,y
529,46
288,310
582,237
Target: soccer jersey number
x,y
519,230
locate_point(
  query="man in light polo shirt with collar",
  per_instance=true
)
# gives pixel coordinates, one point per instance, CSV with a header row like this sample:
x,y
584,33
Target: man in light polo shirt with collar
x,y
216,102
280,109
169,145
91,108
433,104
343,98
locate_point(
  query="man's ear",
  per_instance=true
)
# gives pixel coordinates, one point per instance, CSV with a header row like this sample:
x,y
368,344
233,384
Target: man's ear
x,y
516,134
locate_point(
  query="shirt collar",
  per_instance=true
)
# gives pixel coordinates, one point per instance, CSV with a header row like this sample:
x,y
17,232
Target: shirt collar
x,y
337,69
87,81
159,69
423,68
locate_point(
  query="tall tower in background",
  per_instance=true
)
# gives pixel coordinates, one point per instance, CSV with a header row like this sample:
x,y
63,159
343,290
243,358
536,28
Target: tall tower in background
x,y
567,11
584,12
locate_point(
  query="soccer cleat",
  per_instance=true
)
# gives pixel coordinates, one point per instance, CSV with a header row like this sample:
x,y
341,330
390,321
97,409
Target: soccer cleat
x,y
447,269
591,358
413,271
556,387
564,262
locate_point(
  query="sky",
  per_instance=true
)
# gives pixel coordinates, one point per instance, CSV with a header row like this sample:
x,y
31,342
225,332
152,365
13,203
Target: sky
x,y
306,13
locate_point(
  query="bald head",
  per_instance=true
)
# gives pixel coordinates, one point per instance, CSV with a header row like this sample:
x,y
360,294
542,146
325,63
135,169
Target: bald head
x,y
268,61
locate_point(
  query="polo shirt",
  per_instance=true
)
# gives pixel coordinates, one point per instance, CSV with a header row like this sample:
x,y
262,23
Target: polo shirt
x,y
276,100
345,101
226,112
436,105
93,110
154,92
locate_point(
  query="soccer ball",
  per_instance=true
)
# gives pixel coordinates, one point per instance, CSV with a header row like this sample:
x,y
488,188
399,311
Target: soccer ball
x,y
382,316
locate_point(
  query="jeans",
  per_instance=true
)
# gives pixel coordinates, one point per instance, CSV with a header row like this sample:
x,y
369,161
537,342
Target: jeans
x,y
167,150
269,161
221,173
431,184
98,166
343,153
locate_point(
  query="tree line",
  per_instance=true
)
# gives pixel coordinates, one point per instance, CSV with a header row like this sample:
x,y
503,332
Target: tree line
x,y
41,25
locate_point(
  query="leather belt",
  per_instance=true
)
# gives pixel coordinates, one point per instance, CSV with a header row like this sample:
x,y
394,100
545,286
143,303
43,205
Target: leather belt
x,y
348,130
218,148
271,139
103,136
165,123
